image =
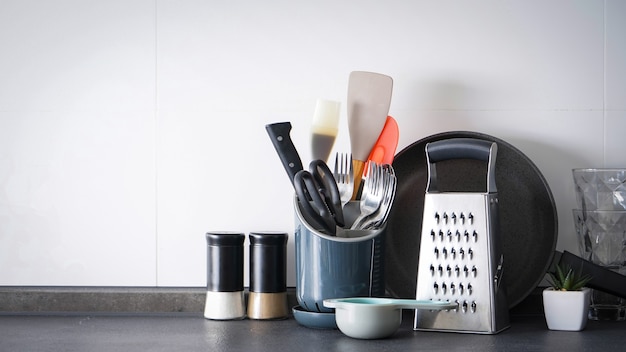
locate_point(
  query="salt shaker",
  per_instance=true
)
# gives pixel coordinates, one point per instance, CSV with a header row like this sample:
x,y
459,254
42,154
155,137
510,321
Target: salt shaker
x,y
225,296
268,276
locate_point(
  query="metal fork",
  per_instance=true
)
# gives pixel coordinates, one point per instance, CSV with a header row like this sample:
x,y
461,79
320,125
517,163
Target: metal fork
x,y
372,195
344,176
378,218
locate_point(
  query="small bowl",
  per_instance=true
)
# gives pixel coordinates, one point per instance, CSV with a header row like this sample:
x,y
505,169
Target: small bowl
x,y
376,318
315,320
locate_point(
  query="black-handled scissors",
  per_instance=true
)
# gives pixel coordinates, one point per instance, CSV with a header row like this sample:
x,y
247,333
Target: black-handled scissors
x,y
319,197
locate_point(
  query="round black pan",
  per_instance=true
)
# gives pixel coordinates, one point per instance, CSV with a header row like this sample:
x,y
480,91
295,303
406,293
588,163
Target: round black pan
x,y
528,218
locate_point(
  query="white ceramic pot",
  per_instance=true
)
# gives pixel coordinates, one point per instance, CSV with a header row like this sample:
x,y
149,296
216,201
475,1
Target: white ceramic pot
x,y
566,310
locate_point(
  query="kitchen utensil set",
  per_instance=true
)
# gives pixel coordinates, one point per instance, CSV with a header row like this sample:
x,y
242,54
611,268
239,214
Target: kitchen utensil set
x,y
323,196
373,140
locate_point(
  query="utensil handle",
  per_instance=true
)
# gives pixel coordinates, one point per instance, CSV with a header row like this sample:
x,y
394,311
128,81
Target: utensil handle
x,y
324,178
601,278
461,148
279,134
304,184
423,304
458,148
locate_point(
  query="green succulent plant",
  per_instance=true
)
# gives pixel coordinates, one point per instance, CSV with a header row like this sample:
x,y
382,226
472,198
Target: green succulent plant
x,y
566,279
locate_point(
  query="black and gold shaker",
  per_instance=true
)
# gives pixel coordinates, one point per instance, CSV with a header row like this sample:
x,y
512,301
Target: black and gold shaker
x,y
268,275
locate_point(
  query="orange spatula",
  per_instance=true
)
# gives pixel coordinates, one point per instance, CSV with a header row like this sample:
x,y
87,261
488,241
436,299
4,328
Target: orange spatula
x,y
385,148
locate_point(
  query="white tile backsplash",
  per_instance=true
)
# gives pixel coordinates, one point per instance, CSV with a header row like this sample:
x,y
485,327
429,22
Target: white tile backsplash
x,y
615,55
73,55
77,202
130,128
615,146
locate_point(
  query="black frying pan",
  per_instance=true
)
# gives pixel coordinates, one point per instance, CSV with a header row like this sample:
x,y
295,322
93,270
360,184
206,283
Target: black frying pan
x,y
528,218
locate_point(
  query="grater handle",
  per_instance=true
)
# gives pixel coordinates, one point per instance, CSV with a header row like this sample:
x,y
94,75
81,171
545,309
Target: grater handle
x,y
461,148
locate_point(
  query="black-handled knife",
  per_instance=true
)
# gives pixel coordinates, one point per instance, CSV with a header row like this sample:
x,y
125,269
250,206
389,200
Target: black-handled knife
x,y
279,134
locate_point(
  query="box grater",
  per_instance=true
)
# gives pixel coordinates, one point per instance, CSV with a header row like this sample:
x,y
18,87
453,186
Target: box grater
x,y
460,259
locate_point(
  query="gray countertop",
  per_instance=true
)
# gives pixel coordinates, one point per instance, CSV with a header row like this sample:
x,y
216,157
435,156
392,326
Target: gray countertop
x,y
170,319
191,332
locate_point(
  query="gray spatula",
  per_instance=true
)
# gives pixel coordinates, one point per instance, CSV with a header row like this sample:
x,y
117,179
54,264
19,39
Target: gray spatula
x,y
369,97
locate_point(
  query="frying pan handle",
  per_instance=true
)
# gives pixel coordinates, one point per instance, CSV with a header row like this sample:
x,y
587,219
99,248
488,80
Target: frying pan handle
x,y
461,148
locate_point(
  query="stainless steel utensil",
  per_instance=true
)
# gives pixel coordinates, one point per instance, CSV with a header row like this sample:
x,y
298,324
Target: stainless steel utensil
x,y
528,224
378,218
344,176
460,257
372,196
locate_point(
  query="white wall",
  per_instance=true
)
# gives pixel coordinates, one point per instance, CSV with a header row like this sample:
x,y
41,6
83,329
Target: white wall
x,y
129,128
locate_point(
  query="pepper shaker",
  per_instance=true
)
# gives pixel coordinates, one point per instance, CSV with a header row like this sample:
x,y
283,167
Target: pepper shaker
x,y
225,296
268,276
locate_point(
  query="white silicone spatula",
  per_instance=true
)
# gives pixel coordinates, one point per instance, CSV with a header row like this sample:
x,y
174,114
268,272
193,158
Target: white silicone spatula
x,y
324,128
369,97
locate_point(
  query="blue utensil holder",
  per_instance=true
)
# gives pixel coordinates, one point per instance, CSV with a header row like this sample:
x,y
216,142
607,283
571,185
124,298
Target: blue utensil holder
x,y
350,264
